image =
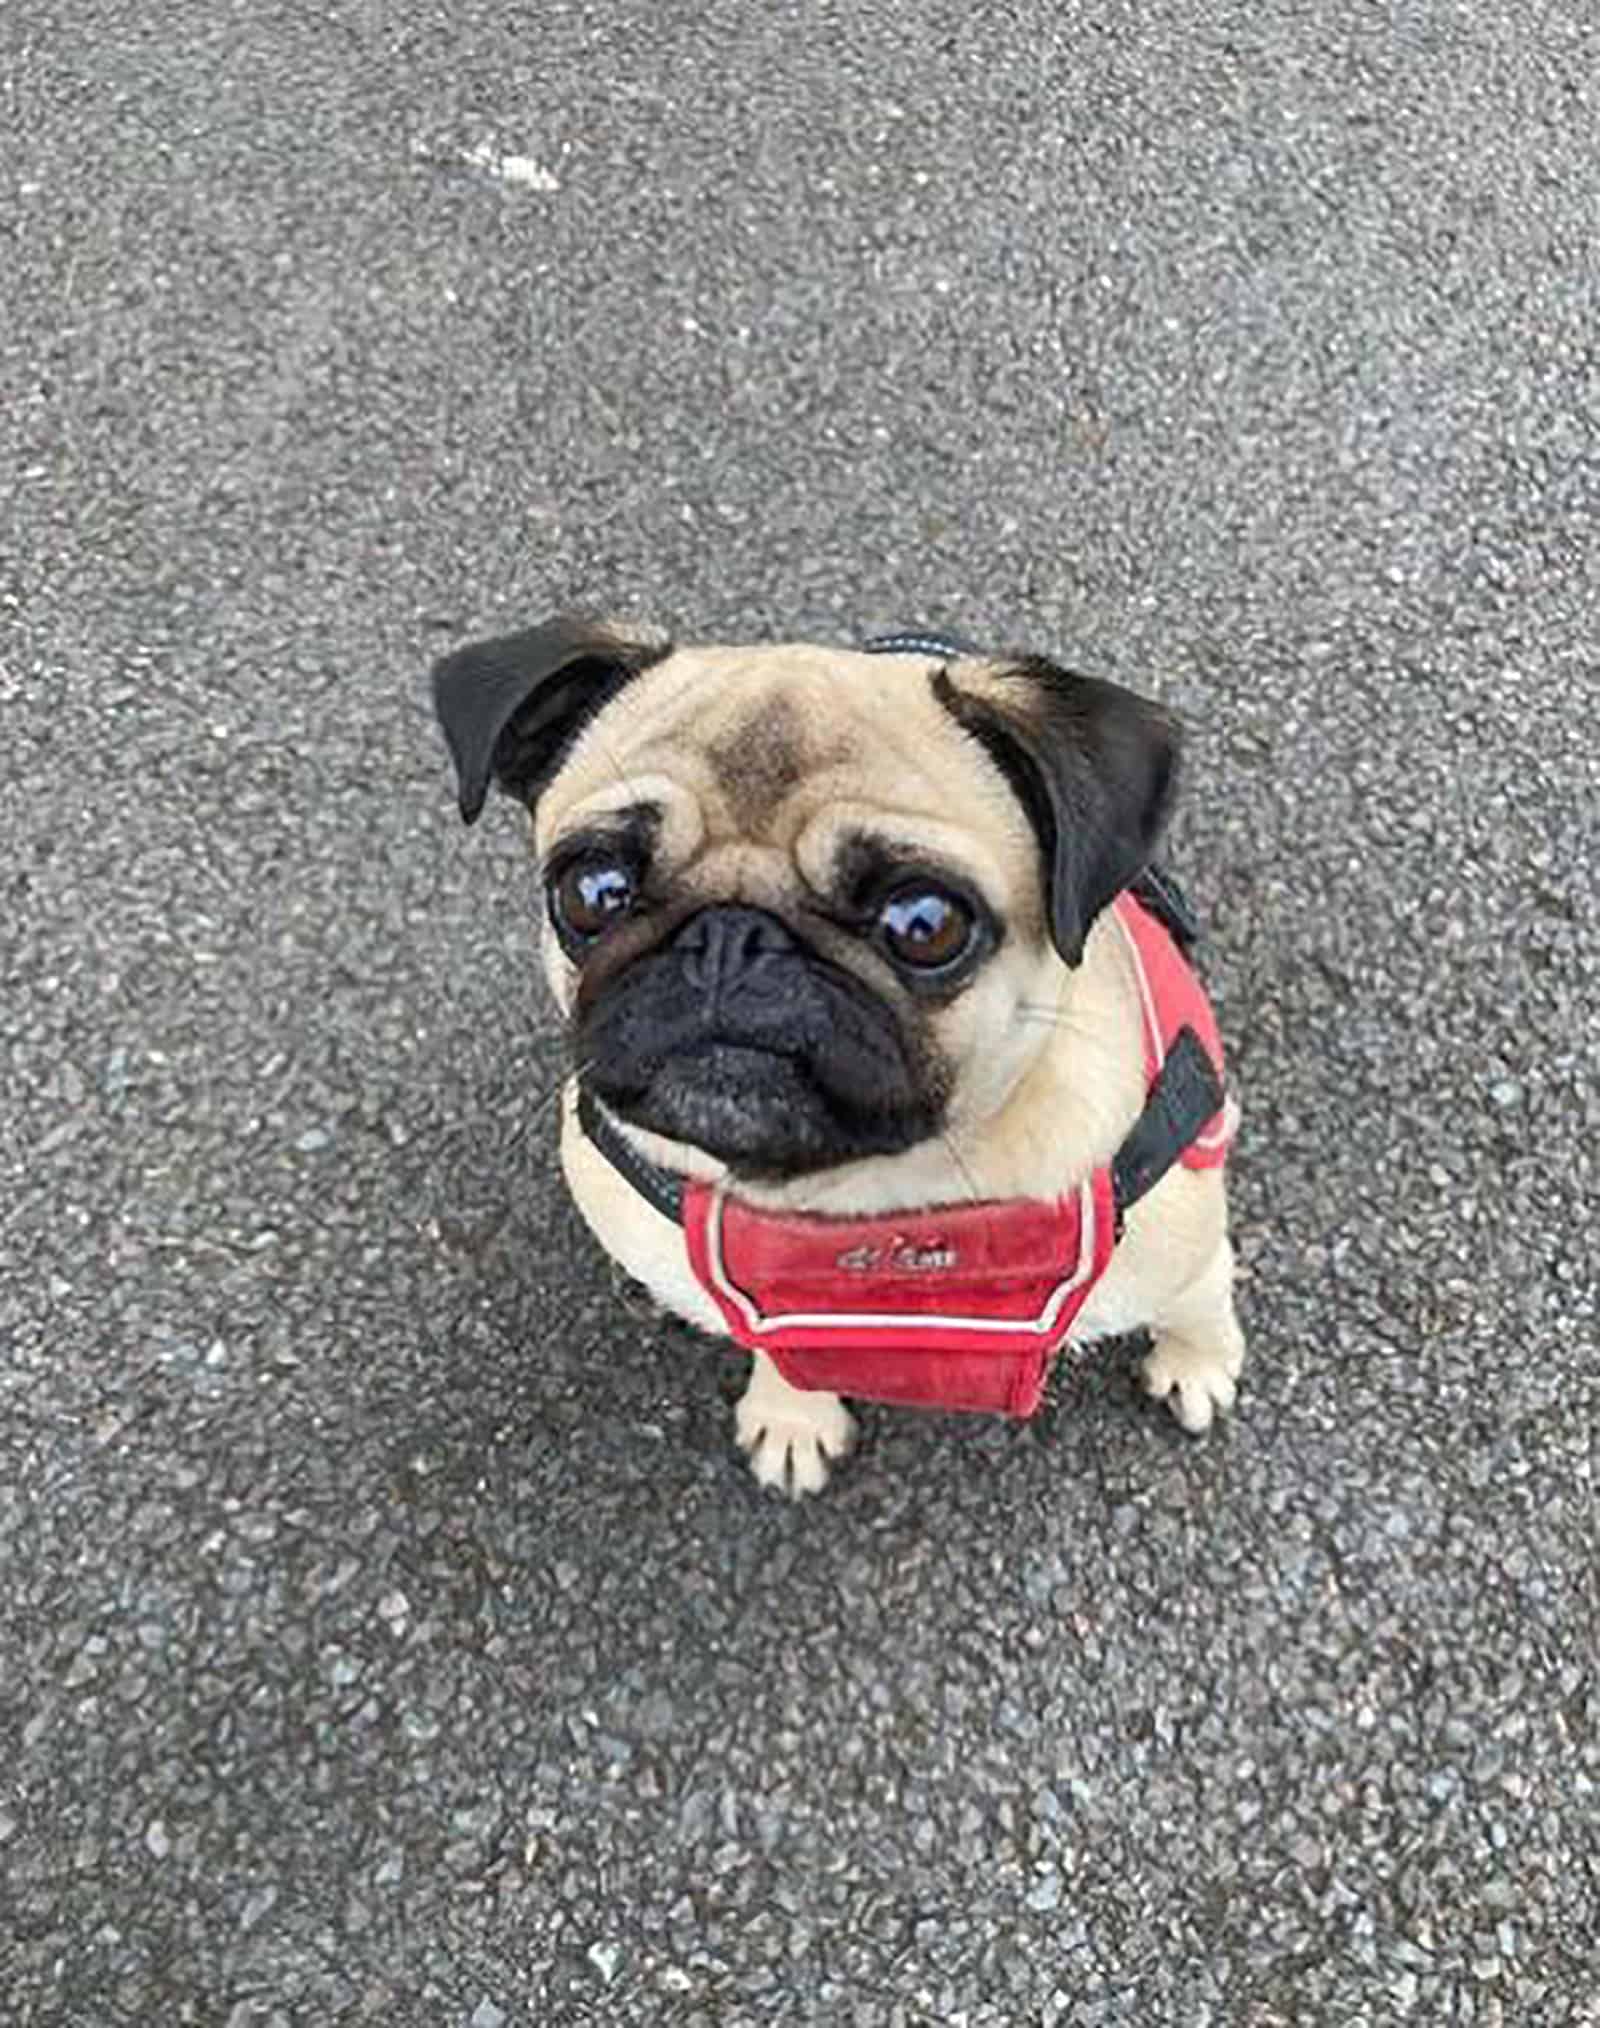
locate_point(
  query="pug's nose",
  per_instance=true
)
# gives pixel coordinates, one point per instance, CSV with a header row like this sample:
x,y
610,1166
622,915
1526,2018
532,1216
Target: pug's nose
x,y
721,946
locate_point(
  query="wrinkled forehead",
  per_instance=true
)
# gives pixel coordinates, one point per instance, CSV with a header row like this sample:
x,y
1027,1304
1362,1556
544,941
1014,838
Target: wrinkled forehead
x,y
796,748
761,720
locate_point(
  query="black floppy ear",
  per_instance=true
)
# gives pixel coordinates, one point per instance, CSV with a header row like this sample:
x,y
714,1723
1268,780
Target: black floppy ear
x,y
510,708
1096,769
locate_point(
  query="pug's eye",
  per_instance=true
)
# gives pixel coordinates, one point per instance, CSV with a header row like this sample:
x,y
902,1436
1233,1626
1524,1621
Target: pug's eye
x,y
588,896
926,928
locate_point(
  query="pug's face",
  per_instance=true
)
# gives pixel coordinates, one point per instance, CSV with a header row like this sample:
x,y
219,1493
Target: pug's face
x,y
807,905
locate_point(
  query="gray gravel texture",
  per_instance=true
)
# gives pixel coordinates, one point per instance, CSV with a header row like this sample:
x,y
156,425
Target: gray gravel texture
x,y
388,1631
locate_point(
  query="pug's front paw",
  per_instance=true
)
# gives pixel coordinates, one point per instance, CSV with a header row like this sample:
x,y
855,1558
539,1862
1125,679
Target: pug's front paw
x,y
791,1437
1195,1379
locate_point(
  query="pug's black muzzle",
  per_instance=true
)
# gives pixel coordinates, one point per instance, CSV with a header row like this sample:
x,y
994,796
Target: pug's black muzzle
x,y
739,1039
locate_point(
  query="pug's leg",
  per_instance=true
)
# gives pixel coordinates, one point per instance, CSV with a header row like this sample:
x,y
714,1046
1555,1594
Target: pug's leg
x,y
791,1436
1198,1348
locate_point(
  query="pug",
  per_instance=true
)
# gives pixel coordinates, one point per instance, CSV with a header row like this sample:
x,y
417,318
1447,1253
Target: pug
x,y
888,1059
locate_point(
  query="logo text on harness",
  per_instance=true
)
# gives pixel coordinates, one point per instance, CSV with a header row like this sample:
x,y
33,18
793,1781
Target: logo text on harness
x,y
908,1255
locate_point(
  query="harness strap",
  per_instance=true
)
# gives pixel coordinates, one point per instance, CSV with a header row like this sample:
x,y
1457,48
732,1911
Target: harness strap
x,y
1185,1095
660,1188
919,641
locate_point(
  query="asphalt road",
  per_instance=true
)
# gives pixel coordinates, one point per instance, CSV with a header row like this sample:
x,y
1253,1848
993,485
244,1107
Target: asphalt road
x,y
387,1630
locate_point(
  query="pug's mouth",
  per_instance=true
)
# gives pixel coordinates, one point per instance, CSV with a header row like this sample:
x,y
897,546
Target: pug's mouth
x,y
749,1106
756,1108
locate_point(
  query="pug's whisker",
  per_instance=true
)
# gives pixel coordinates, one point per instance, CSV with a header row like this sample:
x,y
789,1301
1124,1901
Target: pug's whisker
x,y
542,1103
1061,1019
535,1114
974,1196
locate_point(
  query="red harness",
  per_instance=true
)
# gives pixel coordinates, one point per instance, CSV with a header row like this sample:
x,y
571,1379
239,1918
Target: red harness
x,y
960,1306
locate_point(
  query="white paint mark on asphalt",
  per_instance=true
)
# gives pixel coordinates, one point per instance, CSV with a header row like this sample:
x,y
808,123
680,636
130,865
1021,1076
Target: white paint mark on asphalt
x,y
519,169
